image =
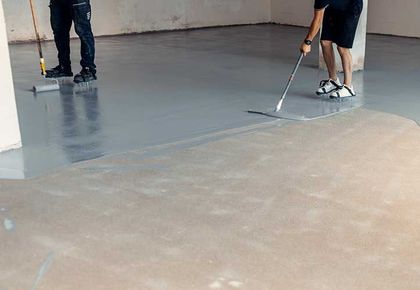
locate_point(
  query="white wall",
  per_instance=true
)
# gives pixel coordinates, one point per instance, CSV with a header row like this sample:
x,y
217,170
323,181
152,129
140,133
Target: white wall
x,y
129,16
395,17
9,124
385,16
293,12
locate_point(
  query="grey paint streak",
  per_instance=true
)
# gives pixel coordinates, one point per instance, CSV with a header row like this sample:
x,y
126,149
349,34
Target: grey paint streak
x,y
43,270
155,89
309,108
9,225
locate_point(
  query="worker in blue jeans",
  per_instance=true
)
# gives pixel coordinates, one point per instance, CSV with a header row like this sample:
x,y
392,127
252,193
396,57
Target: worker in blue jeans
x,y
63,14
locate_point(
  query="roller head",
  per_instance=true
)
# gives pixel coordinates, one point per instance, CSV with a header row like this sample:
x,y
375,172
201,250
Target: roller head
x,y
46,88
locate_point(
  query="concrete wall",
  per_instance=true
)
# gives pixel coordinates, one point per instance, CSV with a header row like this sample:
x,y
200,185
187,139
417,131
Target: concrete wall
x,y
129,16
385,16
395,17
9,124
293,12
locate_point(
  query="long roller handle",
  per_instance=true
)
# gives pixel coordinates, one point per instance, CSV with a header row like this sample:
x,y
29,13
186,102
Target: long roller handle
x,y
289,83
38,39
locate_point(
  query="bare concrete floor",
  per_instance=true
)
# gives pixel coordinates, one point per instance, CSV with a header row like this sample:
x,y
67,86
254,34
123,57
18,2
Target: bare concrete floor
x,y
328,204
161,88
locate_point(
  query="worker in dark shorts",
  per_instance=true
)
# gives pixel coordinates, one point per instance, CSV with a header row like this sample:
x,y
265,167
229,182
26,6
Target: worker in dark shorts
x,y
63,14
339,19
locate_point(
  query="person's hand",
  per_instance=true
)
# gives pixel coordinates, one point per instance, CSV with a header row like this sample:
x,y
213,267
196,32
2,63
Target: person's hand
x,y
305,49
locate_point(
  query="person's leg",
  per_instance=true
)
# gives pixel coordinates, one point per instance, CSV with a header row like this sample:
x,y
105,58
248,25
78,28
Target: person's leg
x,y
61,21
347,90
327,87
332,84
329,57
347,22
347,61
81,16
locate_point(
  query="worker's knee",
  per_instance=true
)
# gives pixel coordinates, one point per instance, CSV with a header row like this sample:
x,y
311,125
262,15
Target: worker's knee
x,y
343,51
326,43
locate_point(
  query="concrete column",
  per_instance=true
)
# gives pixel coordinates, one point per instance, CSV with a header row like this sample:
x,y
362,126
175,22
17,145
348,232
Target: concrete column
x,y
9,125
359,47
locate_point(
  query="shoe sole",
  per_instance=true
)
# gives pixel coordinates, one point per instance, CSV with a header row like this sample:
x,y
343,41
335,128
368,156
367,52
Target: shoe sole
x,y
327,93
57,78
337,98
322,94
85,82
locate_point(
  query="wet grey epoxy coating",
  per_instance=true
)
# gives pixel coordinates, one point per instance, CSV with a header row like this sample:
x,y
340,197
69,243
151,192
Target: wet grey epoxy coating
x,y
160,88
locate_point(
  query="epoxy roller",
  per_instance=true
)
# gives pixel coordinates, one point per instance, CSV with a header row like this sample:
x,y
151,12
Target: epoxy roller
x,y
54,85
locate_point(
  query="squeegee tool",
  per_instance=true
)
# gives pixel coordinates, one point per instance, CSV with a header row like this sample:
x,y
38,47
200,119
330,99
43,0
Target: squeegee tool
x,y
277,112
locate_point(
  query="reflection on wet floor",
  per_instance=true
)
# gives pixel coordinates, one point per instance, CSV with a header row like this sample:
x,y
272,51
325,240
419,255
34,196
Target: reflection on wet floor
x,y
81,123
80,138
168,87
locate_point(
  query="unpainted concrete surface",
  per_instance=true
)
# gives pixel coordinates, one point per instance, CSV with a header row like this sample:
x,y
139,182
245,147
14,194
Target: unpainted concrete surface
x,y
328,204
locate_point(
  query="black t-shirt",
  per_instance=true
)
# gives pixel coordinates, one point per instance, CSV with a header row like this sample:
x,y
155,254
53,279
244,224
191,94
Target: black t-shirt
x,y
340,5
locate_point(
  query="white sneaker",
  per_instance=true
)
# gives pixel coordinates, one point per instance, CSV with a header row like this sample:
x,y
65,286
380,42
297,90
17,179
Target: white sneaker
x,y
344,92
329,86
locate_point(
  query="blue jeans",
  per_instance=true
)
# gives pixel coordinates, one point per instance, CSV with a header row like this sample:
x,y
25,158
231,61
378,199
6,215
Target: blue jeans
x,y
63,14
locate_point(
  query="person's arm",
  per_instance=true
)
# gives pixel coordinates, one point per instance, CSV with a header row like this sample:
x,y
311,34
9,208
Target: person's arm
x,y
313,30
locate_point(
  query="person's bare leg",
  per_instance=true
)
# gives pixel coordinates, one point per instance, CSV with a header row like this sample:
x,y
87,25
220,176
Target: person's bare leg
x,y
347,61
329,57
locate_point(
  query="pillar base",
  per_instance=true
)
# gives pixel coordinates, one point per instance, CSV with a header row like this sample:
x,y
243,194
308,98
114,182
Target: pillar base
x,y
9,124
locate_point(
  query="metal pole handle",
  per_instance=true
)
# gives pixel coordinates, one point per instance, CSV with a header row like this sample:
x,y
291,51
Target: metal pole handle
x,y
289,83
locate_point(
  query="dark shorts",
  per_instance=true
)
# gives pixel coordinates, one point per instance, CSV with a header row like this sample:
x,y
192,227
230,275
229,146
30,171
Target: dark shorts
x,y
340,26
